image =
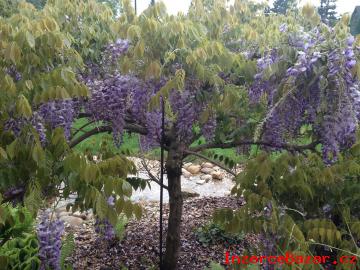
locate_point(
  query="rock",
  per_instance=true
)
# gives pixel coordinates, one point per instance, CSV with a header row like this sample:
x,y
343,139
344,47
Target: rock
x,y
194,169
189,193
79,215
185,173
72,221
187,165
217,175
60,210
201,182
207,170
89,216
206,177
63,214
207,165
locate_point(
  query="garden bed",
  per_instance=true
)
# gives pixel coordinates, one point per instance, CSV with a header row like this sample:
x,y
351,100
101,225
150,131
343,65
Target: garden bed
x,y
140,247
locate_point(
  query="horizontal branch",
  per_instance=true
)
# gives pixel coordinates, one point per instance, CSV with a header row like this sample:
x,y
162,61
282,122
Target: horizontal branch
x,y
104,129
88,134
82,128
211,161
285,146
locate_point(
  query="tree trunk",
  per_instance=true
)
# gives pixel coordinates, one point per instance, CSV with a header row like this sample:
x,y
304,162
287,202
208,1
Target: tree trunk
x,y
173,168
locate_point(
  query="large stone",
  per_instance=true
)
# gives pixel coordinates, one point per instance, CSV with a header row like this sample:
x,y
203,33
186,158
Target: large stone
x,y
189,193
185,173
60,210
206,177
72,221
194,169
207,170
207,165
79,215
187,165
217,175
200,181
63,214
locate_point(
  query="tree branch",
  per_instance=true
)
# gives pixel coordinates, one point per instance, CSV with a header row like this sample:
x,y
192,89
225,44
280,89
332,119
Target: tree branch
x,y
82,128
152,177
285,146
88,134
103,129
211,161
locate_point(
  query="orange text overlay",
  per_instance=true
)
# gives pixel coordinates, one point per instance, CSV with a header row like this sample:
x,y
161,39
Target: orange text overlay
x,y
288,258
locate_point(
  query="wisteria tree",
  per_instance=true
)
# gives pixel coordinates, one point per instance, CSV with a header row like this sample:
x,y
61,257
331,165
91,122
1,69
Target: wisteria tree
x,y
198,79
223,77
39,62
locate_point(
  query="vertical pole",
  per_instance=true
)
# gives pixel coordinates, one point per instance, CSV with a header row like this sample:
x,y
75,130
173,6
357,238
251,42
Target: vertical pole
x,y
162,180
135,7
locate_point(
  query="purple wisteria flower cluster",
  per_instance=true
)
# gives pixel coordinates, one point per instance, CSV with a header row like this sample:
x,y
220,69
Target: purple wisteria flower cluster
x,y
319,89
115,50
49,234
15,125
103,227
58,113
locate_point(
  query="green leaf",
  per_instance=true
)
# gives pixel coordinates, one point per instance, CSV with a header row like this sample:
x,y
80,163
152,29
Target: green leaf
x,y
128,208
8,84
137,211
11,149
101,206
108,187
67,249
3,154
38,154
23,107
126,188
33,198
30,39
13,53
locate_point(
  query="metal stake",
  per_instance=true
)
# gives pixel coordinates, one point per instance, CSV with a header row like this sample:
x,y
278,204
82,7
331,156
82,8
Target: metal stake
x,y
162,179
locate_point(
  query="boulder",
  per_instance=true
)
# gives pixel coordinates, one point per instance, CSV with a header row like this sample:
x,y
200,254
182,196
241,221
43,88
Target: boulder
x,y
72,221
79,215
63,214
216,175
194,169
189,193
60,210
187,165
207,170
186,173
207,165
206,177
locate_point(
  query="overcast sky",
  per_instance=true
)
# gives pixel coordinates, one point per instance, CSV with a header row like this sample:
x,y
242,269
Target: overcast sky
x,y
174,6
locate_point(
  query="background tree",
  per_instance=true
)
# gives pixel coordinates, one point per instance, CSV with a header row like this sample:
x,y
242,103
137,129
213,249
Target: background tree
x,y
115,5
282,6
8,7
355,22
39,4
327,11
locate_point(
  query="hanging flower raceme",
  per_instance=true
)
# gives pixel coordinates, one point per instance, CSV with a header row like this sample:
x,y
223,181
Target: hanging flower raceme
x,y
49,234
319,89
103,227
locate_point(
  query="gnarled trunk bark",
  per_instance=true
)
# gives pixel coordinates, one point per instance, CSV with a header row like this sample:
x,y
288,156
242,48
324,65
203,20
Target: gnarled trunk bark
x,y
173,168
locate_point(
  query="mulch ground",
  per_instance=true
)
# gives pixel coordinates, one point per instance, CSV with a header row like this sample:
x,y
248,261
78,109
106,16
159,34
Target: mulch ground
x,y
140,247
